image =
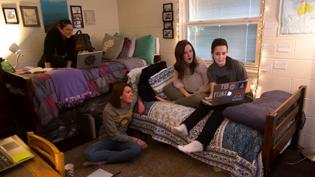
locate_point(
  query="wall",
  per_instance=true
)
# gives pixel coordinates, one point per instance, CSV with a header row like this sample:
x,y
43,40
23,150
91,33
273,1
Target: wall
x,y
287,62
142,17
31,39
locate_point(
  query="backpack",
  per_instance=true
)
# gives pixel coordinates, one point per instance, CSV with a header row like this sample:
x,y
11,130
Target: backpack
x,y
82,41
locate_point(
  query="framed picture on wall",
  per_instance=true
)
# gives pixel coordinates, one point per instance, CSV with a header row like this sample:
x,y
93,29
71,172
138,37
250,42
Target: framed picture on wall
x,y
77,17
10,15
168,25
167,16
30,16
168,33
168,7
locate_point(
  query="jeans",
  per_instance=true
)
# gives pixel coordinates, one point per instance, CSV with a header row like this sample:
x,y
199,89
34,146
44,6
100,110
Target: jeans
x,y
212,123
112,151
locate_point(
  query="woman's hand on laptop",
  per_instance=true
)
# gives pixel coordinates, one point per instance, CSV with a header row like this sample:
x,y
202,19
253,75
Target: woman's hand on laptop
x,y
209,97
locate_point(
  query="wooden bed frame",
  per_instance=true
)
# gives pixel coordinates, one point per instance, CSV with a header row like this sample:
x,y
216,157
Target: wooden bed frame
x,y
282,128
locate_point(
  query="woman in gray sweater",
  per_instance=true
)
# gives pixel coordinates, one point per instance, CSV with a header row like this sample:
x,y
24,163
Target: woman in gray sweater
x,y
115,145
190,83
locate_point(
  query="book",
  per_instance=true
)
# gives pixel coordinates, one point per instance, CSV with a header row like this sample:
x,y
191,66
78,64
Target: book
x,y
100,173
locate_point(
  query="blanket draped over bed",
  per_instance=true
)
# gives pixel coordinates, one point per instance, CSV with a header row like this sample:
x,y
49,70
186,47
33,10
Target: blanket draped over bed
x,y
52,94
235,147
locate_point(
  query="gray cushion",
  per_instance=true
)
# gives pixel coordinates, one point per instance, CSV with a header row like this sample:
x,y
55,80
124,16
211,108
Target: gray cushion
x,y
254,114
112,46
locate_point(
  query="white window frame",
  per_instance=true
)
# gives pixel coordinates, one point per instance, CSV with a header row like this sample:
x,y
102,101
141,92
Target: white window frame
x,y
185,23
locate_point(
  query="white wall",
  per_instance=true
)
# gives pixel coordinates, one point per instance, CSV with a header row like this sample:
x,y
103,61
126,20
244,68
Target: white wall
x,y
31,39
287,62
142,17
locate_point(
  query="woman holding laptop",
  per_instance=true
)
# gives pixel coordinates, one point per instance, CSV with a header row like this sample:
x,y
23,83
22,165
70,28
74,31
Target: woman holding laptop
x,y
223,70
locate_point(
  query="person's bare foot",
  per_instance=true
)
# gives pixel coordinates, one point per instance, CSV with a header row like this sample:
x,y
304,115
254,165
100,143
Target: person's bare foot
x,y
180,130
194,146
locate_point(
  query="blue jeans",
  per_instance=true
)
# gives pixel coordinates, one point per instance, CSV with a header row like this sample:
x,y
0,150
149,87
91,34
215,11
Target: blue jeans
x,y
112,151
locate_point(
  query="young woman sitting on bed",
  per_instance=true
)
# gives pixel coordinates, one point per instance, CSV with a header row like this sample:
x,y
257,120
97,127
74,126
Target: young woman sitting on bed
x,y
224,69
191,82
115,145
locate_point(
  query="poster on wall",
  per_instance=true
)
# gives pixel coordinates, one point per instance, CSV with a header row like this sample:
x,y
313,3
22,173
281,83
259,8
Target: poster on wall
x,y
53,11
297,17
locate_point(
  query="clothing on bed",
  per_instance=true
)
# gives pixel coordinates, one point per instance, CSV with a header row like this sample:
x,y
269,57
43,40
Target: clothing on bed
x,y
145,91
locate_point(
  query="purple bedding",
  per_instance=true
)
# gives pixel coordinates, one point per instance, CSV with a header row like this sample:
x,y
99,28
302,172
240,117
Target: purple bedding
x,y
51,94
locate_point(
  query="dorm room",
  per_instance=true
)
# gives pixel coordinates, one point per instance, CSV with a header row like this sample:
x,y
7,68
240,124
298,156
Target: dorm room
x,y
275,45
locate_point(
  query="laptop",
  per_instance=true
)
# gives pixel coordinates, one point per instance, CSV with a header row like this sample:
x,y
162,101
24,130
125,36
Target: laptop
x,y
227,93
87,60
13,151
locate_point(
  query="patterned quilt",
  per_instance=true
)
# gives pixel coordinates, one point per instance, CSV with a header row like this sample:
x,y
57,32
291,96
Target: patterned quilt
x,y
235,147
98,81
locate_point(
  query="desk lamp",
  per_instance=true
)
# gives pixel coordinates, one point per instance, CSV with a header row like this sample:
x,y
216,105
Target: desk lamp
x,y
14,48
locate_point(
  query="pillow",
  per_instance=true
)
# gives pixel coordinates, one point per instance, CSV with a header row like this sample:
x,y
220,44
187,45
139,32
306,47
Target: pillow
x,y
254,114
145,48
112,46
132,47
125,48
159,80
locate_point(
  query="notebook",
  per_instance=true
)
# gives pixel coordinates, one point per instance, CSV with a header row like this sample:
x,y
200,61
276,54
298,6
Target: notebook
x,y
89,59
100,173
227,93
13,151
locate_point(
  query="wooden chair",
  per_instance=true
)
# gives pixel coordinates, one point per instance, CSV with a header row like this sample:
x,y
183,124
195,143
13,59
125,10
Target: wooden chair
x,y
48,150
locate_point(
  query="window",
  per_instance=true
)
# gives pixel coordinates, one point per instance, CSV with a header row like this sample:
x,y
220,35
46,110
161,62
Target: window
x,y
237,21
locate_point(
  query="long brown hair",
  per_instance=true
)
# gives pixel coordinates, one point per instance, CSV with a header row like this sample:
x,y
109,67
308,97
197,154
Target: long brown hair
x,y
179,65
117,91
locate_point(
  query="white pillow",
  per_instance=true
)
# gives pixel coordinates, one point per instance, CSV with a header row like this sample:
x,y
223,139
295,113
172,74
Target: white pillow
x,y
132,47
161,79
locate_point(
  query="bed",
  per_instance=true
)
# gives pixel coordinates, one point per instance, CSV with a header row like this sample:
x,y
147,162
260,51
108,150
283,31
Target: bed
x,y
37,96
236,148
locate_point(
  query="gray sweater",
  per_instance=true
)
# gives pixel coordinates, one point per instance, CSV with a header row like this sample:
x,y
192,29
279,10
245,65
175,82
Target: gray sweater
x,y
115,123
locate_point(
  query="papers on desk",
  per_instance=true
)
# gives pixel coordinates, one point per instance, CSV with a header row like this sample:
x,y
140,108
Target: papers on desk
x,y
100,173
32,70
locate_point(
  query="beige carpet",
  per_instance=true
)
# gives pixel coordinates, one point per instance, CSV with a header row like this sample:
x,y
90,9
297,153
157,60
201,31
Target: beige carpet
x,y
159,160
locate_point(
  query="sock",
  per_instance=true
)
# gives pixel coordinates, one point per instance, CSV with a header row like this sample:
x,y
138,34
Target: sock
x,y
194,146
90,163
181,130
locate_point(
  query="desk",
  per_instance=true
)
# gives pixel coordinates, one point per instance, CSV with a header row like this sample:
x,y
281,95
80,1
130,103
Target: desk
x,y
35,167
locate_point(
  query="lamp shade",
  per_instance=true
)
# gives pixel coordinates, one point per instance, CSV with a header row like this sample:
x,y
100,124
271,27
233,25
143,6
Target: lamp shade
x,y
14,48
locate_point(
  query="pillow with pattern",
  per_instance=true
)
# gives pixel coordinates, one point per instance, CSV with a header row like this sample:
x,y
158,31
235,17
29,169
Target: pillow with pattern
x,y
112,46
159,80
